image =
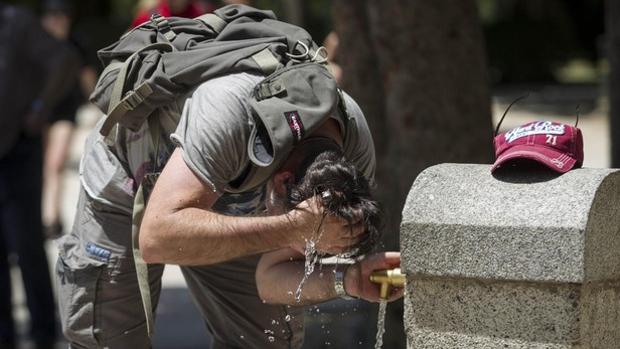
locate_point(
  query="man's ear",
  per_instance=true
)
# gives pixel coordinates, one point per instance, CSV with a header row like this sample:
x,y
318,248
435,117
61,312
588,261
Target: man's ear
x,y
282,180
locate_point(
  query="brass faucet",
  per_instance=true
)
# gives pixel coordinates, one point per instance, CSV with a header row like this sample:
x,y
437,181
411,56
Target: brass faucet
x,y
387,278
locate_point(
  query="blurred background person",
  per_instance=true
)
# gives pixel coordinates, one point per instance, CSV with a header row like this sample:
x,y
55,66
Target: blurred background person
x,y
238,2
33,71
331,45
168,8
56,20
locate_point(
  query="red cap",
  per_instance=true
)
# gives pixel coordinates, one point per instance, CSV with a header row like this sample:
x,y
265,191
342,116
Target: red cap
x,y
557,146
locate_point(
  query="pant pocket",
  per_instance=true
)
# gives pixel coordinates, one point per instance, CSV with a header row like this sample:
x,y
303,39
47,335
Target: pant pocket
x,y
119,313
77,296
134,338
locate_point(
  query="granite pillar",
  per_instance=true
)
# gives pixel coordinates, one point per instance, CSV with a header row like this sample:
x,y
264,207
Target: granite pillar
x,y
527,259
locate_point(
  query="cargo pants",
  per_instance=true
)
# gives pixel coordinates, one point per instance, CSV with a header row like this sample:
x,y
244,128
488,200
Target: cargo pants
x,y
100,303
98,295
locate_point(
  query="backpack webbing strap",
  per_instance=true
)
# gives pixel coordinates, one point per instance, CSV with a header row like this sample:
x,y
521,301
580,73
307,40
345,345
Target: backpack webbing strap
x,y
163,26
139,206
154,130
119,107
213,21
343,120
142,270
267,62
127,104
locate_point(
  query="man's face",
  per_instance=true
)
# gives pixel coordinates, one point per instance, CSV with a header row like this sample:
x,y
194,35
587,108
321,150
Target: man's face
x,y
57,24
277,187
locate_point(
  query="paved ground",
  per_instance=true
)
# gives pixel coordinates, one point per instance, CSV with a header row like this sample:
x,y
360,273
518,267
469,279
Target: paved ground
x,y
179,324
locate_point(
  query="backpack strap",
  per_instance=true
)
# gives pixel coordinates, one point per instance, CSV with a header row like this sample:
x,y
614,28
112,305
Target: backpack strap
x,y
142,271
266,61
213,21
119,107
163,26
343,113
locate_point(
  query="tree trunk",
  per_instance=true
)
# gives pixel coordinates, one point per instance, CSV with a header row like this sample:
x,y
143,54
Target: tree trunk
x,y
612,22
294,12
418,70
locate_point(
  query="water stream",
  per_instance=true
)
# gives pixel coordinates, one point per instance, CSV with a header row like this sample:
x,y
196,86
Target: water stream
x,y
380,324
312,257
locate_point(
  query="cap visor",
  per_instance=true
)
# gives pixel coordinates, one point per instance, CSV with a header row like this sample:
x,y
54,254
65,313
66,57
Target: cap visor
x,y
259,148
553,159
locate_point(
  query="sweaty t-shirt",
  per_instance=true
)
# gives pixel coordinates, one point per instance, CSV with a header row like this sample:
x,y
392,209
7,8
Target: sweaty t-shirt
x,y
216,126
213,132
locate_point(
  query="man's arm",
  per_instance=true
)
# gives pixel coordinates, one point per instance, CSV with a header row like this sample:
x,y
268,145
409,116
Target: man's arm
x,y
279,273
179,228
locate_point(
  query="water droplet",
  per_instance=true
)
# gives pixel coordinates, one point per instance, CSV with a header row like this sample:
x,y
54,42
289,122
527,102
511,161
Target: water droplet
x,y
312,257
242,337
271,339
287,318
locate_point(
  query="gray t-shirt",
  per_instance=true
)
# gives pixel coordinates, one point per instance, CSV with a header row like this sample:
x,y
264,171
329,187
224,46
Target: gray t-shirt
x,y
213,131
216,125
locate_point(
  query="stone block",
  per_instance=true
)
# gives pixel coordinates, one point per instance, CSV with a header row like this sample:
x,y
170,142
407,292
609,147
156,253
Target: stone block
x,y
520,260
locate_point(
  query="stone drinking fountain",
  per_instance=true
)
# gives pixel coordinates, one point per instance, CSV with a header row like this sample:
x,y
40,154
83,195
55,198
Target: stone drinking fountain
x,y
524,260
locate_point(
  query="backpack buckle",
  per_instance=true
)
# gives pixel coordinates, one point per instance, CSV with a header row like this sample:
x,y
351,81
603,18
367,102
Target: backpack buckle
x,y
163,26
269,89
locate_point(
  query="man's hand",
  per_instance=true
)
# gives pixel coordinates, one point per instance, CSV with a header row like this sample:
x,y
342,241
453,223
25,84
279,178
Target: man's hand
x,y
357,277
331,234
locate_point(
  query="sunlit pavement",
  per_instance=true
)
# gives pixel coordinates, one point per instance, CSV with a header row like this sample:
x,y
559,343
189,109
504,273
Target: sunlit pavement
x,y
179,324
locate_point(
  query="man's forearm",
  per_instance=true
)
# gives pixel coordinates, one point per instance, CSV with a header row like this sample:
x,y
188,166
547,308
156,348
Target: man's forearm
x,y
278,282
279,273
179,227
194,236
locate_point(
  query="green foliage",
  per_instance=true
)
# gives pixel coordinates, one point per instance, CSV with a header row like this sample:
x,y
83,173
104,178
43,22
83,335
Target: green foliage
x,y
318,18
123,8
316,15
531,40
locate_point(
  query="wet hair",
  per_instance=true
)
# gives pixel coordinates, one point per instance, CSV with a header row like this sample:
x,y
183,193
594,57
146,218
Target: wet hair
x,y
343,191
